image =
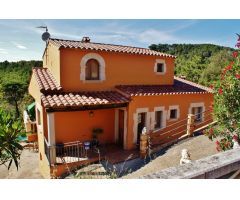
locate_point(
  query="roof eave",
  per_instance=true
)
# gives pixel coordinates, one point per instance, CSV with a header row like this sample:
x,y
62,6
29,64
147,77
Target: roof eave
x,y
86,107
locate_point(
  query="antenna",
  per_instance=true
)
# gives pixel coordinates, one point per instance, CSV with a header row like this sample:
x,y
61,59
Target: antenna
x,y
46,35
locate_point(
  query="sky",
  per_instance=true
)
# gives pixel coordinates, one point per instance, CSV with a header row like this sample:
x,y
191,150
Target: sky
x,y
21,40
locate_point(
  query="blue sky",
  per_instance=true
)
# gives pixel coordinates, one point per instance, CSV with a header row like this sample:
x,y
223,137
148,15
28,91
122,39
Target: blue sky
x,y
21,40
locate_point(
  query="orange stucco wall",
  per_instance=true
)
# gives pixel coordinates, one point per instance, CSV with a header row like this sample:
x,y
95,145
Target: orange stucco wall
x,y
78,125
150,102
51,60
120,69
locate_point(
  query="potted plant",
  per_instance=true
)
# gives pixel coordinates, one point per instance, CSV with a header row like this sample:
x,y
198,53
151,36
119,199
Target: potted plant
x,y
95,133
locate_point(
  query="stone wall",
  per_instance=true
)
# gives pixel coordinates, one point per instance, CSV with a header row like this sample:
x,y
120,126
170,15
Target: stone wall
x,y
211,167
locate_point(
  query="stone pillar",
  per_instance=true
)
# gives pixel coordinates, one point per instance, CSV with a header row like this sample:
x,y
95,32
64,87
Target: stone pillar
x,y
143,145
190,124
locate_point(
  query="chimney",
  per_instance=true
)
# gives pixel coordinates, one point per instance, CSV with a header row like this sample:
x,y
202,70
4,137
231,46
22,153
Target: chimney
x,y
86,39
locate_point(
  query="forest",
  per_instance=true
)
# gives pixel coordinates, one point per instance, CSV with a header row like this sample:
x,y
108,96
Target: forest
x,y
200,63
14,80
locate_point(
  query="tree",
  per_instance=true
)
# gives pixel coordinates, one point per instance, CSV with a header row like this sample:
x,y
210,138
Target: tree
x,y
13,93
227,105
10,130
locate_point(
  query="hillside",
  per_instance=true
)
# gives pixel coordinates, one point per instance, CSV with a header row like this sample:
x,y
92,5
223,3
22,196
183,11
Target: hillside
x,y
201,63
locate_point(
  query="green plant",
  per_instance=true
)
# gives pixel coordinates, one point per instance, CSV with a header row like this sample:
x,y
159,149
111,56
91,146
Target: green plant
x,y
10,130
227,105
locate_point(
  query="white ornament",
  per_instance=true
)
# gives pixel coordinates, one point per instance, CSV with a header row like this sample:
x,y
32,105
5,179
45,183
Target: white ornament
x,y
185,157
144,131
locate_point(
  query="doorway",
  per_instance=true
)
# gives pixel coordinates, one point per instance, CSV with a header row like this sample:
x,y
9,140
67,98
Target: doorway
x,y
121,128
141,125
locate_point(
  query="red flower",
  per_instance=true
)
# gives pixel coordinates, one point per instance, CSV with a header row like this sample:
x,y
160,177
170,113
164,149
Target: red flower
x,y
220,91
235,54
229,67
217,143
237,76
235,137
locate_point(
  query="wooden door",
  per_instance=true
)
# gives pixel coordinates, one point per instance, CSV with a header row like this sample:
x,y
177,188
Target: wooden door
x,y
121,127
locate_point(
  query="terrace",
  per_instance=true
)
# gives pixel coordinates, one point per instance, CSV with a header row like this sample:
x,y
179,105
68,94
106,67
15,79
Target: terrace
x,y
74,154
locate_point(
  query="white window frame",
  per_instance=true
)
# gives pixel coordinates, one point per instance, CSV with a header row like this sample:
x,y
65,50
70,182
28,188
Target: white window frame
x,y
153,118
173,108
161,61
199,104
102,66
135,122
39,126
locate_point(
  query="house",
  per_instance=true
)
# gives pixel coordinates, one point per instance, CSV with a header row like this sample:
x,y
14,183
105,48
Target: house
x,y
119,89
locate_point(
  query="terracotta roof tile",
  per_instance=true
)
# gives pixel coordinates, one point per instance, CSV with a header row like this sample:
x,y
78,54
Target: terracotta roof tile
x,y
82,99
105,47
45,80
180,86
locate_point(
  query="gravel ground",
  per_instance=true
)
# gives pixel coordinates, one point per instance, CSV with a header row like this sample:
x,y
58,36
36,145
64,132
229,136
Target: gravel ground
x,y
199,147
28,167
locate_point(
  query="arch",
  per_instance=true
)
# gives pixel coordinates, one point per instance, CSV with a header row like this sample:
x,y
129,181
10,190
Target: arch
x,y
83,66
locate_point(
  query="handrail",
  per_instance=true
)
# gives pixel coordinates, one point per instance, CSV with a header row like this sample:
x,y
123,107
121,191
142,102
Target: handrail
x,y
154,136
185,119
160,134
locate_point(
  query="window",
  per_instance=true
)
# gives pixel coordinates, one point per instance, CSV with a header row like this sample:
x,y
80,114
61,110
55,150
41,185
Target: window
x,y
38,117
92,69
173,114
198,111
158,119
160,67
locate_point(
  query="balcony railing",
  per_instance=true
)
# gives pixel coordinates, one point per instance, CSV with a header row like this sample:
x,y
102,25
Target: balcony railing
x,y
65,152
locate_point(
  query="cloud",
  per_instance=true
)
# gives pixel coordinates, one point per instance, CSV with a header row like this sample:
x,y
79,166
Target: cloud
x,y
20,46
3,51
154,36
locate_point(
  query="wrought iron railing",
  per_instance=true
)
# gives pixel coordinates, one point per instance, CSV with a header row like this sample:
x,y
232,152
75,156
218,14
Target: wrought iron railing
x,y
63,153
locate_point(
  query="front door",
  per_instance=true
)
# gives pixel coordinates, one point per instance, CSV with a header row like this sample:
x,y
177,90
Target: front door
x,y
121,127
141,125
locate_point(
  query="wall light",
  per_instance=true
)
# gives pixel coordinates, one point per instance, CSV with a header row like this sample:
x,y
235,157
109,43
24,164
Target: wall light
x,y
91,114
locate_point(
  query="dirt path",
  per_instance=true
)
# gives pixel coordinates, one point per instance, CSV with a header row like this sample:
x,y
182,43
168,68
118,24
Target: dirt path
x,y
28,167
198,147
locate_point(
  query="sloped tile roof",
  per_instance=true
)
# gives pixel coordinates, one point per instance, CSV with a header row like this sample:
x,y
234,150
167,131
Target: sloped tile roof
x,y
180,86
83,99
46,81
105,47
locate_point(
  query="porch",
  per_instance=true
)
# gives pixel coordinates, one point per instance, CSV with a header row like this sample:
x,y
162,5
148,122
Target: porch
x,y
75,154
